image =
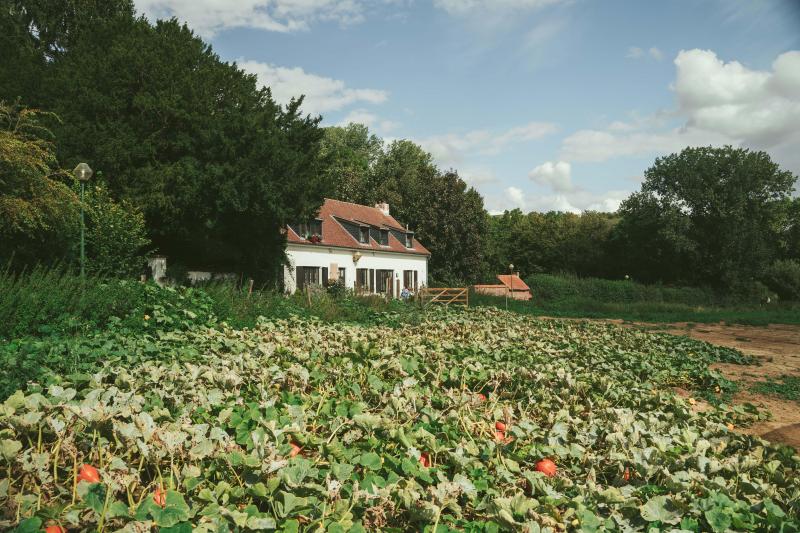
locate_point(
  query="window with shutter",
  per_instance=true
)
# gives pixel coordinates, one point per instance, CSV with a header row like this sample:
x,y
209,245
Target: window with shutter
x,y
362,279
306,276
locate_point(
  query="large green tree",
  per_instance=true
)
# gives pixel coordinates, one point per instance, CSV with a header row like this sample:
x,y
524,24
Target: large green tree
x,y
215,164
706,216
550,242
446,214
39,206
350,153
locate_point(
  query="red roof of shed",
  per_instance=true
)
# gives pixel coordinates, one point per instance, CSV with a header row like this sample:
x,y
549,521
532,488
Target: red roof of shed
x,y
517,285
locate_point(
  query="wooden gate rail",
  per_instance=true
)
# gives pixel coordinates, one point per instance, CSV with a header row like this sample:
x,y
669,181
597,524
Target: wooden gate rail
x,y
445,296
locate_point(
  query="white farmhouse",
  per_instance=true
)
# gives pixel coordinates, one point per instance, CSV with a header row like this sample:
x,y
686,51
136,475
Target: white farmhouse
x,y
363,247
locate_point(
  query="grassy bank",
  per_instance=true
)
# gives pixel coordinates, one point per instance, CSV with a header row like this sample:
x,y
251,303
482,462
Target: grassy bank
x,y
48,301
572,297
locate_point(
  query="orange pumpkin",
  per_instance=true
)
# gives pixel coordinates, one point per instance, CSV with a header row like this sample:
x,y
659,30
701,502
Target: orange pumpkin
x,y
424,459
295,449
546,467
160,497
89,474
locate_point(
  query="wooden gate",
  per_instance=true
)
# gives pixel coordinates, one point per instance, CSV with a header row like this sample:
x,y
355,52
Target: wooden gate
x,y
446,296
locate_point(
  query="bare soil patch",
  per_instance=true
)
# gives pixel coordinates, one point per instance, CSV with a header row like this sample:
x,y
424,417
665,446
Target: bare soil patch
x,y
777,347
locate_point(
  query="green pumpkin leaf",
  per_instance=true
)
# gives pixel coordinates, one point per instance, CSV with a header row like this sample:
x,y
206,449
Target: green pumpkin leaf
x,y
659,509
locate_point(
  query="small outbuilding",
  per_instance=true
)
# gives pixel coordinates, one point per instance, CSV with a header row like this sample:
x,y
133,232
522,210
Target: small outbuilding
x,y
510,285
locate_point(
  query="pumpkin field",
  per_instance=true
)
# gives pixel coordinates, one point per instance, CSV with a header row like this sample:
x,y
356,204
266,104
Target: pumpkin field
x,y
474,420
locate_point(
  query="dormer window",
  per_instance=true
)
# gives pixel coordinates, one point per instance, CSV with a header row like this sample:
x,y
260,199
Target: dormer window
x,y
409,240
384,237
311,230
363,236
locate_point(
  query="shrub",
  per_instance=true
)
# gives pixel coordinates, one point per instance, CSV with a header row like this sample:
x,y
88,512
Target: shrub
x,y
38,212
783,277
52,300
548,288
751,292
116,237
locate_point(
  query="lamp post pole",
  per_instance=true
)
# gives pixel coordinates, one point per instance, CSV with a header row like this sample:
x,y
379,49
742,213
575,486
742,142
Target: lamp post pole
x,y
83,237
510,281
83,172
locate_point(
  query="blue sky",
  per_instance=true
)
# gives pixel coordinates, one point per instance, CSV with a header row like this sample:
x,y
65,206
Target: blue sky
x,y
539,104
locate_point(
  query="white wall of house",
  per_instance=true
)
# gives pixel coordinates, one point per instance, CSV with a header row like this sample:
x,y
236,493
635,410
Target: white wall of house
x,y
334,258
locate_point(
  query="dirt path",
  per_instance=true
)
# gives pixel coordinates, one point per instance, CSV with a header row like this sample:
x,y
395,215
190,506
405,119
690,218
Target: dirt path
x,y
776,346
778,349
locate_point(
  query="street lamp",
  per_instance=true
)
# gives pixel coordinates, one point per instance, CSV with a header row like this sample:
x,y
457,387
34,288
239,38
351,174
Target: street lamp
x,y
84,173
511,283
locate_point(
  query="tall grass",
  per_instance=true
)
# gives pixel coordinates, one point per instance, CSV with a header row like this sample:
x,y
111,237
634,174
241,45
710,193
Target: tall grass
x,y
570,296
239,308
46,301
553,288
42,299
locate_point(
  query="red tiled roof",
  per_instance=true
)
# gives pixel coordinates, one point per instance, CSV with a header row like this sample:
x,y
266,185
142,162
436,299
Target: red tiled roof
x,y
334,234
518,284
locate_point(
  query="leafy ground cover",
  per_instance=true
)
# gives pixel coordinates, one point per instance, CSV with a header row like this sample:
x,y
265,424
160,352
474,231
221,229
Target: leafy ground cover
x,y
298,424
787,387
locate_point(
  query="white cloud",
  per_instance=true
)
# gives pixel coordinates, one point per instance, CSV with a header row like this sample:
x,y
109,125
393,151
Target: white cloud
x,y
655,53
469,7
208,17
322,93
754,107
476,176
451,149
634,52
542,33
516,197
370,120
557,176
579,201
572,202
602,145
717,103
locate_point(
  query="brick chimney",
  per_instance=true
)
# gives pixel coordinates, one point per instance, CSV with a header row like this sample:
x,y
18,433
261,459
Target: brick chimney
x,y
383,207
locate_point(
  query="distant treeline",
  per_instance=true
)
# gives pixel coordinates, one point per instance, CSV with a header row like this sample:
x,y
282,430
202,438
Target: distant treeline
x,y
195,160
722,218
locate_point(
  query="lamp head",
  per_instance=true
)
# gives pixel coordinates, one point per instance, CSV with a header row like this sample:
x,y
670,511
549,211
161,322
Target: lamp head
x,y
83,172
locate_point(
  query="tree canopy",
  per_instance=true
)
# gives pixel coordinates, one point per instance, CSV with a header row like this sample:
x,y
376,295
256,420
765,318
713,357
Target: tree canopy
x,y
38,212
189,139
446,214
714,216
216,167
